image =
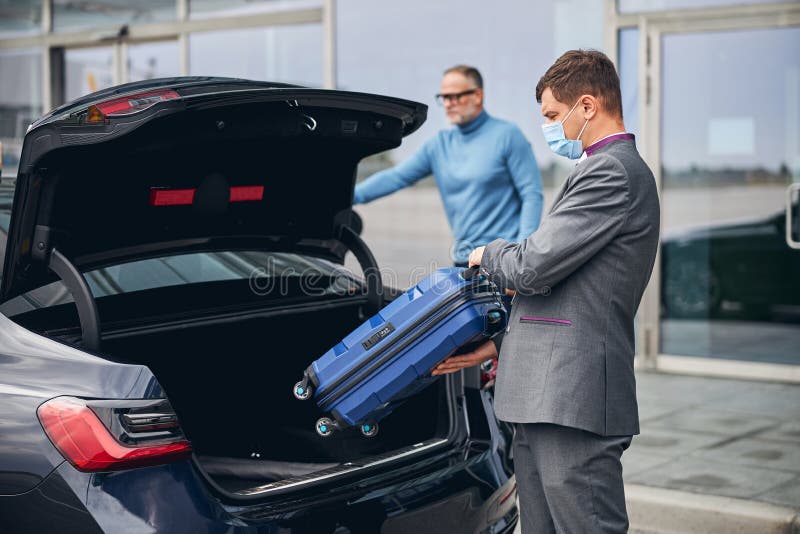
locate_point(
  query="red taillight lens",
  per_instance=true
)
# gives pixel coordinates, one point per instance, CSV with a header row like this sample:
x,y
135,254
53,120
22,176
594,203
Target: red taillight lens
x,y
134,103
171,197
87,444
185,197
244,193
125,105
505,497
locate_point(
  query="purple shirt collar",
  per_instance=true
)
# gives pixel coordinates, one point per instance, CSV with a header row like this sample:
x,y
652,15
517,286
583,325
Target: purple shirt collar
x,y
591,149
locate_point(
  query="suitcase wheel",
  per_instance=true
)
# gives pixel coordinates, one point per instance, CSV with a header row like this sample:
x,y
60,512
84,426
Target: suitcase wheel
x,y
370,430
494,316
302,391
326,426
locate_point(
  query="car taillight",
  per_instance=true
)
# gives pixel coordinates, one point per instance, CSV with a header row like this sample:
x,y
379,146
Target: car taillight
x,y
126,105
511,492
113,435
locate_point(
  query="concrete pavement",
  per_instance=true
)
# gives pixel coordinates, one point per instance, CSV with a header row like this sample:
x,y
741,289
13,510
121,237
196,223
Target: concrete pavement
x,y
714,456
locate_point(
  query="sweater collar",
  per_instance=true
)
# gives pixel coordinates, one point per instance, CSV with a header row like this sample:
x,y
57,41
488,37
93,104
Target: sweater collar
x,y
475,123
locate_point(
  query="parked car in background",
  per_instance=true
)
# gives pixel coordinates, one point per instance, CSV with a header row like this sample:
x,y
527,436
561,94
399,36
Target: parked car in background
x,y
173,261
741,270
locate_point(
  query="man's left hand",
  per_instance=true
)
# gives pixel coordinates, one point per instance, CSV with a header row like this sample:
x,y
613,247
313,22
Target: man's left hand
x,y
476,256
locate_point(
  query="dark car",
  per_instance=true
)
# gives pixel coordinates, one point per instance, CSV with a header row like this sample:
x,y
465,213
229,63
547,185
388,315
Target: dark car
x,y
742,270
174,261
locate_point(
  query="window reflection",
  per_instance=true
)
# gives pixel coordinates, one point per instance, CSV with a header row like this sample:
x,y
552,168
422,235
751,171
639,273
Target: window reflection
x,y
87,70
153,60
289,54
226,8
638,6
20,18
69,15
730,283
20,102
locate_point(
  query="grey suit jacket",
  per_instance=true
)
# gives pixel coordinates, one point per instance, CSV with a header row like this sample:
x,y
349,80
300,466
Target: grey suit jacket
x,y
567,356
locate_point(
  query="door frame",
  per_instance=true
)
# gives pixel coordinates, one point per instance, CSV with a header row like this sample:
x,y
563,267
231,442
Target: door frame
x,y
652,27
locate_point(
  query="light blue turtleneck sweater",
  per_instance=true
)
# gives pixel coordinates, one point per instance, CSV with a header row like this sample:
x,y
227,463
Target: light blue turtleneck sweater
x,y
487,176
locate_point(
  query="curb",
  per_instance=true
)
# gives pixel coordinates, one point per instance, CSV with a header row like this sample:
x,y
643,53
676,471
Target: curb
x,y
663,511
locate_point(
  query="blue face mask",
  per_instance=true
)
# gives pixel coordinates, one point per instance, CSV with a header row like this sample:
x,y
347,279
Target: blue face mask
x,y
557,139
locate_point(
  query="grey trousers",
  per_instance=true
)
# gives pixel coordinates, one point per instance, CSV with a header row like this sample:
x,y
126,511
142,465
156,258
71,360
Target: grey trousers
x,y
569,480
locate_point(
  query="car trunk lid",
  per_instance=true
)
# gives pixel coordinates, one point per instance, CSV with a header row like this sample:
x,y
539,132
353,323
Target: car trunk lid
x,y
192,164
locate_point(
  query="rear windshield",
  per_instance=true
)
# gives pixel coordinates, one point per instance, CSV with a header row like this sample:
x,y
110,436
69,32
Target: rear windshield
x,y
268,274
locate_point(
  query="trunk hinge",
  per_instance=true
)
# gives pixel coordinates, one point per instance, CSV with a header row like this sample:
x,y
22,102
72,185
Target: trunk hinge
x,y
369,265
76,284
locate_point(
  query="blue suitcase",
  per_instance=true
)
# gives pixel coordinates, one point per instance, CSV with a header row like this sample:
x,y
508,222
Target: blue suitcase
x,y
390,357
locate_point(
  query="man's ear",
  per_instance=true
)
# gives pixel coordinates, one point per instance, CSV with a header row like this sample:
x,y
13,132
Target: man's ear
x,y
479,94
590,106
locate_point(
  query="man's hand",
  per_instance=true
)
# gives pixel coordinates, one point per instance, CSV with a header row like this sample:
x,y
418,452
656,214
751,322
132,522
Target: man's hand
x,y
487,351
476,256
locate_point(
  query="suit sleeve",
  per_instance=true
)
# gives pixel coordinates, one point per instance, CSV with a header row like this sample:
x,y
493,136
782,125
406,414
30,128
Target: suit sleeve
x,y
403,175
498,341
586,219
527,180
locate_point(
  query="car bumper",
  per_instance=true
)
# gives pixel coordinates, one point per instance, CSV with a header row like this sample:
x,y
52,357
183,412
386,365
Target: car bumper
x,y
174,498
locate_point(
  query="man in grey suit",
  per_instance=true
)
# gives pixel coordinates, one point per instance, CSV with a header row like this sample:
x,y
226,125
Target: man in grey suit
x,y
565,377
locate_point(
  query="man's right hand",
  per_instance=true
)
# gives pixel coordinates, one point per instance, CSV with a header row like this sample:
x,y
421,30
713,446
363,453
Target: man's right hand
x,y
487,351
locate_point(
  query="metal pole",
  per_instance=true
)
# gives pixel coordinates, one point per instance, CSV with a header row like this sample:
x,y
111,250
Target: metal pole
x,y
47,67
329,44
183,38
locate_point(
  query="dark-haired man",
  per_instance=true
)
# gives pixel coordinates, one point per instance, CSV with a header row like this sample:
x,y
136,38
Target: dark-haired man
x,y
484,168
565,377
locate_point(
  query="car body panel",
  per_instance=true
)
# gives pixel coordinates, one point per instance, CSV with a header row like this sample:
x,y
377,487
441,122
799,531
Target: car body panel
x,y
26,454
172,498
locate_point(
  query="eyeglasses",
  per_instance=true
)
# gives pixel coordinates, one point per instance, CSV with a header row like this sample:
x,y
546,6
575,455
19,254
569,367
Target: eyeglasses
x,y
453,97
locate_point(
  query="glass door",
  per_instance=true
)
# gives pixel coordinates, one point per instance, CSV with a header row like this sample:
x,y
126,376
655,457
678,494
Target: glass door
x,y
155,59
730,168
87,70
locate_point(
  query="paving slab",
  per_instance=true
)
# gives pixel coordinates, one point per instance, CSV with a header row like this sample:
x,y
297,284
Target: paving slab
x,y
789,431
721,422
671,442
688,390
634,461
787,494
699,475
663,511
775,455
652,408
771,400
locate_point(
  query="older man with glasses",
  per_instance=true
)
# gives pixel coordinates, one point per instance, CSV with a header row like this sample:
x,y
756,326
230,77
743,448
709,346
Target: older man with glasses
x,y
484,168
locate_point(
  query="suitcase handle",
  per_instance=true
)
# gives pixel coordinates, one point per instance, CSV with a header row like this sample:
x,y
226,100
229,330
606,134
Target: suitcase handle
x,y
470,272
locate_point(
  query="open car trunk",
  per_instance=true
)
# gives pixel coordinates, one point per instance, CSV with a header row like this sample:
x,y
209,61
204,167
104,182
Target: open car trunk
x,y
231,386
193,165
